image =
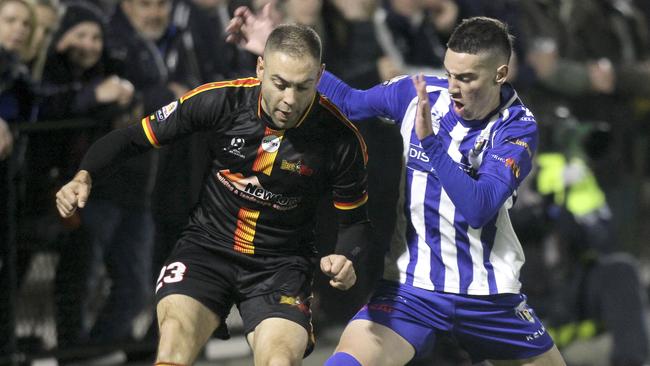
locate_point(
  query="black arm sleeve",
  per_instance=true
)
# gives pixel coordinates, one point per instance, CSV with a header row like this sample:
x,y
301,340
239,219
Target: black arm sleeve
x,y
354,233
115,147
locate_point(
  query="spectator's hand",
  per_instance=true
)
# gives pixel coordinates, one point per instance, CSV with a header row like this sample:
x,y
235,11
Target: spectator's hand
x,y
178,89
250,31
423,122
6,140
340,270
114,90
387,68
543,57
602,76
74,194
357,10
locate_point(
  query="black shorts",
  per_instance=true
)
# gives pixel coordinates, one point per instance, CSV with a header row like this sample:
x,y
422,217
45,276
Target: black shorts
x,y
261,287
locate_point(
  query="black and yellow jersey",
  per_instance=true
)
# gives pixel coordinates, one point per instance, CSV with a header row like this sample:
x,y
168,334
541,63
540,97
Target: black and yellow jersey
x,y
264,183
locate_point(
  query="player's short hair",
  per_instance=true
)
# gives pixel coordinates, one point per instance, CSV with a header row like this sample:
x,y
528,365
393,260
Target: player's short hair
x,y
481,34
295,40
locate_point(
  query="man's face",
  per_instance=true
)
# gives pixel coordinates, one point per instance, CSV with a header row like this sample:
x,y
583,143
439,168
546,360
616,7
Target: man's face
x,y
288,86
474,83
150,18
86,44
15,26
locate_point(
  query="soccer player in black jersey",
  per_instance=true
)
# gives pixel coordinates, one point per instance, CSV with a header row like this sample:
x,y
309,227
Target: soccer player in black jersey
x,y
276,146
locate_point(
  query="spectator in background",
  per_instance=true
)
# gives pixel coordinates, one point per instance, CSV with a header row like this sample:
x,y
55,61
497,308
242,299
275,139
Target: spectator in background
x,y
16,101
206,20
47,18
162,67
592,57
81,80
17,22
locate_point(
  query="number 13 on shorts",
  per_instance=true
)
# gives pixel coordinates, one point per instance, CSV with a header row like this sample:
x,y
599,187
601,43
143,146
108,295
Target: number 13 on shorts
x,y
171,273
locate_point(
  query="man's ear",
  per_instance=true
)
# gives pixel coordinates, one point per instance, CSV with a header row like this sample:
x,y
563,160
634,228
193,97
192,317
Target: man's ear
x,y
502,74
320,73
259,69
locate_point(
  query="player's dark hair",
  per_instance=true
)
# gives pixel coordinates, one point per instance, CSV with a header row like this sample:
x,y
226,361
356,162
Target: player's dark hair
x,y
295,40
481,34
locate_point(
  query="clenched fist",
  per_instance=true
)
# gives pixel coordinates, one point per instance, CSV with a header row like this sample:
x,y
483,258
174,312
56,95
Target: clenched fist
x,y
340,270
74,194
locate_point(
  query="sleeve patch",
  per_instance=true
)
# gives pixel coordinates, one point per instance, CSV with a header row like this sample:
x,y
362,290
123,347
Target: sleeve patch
x,y
166,111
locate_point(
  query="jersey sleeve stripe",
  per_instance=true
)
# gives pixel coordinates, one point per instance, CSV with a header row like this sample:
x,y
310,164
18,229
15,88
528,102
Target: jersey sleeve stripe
x,y
245,82
341,117
352,205
148,131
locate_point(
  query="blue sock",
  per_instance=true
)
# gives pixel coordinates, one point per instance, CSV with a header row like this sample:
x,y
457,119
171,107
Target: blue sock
x,y
342,359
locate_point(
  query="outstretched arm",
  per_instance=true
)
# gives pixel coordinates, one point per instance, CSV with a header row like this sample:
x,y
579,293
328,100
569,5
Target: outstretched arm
x,y
249,30
116,146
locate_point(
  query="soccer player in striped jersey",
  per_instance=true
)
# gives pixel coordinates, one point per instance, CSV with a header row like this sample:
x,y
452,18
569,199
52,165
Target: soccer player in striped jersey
x,y
453,266
468,143
276,148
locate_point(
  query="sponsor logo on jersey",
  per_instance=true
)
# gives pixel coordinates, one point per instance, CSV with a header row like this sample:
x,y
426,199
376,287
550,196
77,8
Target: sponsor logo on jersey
x,y
416,152
252,190
538,333
295,301
298,167
166,111
236,144
381,307
523,312
271,143
512,164
523,144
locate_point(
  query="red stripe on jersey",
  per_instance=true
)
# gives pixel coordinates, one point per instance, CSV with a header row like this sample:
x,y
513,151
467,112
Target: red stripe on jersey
x,y
148,131
352,205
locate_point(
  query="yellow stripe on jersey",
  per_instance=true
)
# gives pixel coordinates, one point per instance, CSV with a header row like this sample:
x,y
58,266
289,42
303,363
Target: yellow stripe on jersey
x,y
246,82
148,131
352,205
268,151
245,232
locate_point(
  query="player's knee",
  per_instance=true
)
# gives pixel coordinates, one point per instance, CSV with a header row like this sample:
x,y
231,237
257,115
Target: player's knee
x,y
170,326
173,337
280,359
342,359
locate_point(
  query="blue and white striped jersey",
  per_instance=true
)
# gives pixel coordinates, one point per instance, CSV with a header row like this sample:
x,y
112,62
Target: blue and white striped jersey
x,y
454,233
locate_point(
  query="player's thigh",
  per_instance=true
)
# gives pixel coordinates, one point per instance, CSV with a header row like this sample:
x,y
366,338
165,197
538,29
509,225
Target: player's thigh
x,y
278,339
185,325
374,344
552,357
